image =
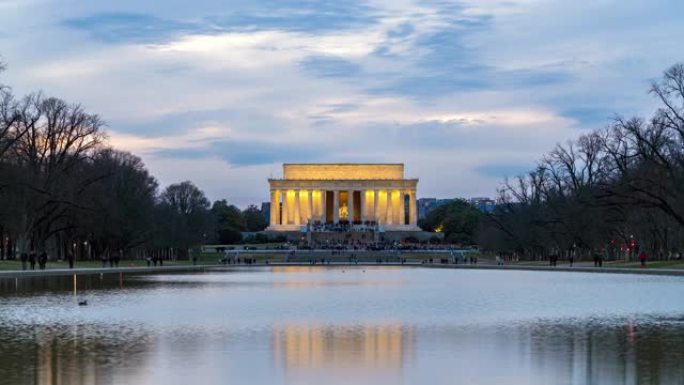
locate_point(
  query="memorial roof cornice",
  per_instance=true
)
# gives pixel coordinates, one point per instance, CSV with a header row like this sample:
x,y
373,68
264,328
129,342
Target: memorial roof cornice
x,y
343,180
343,164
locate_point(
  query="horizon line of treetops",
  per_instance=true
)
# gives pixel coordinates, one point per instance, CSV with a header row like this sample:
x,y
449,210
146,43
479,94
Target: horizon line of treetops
x,y
65,191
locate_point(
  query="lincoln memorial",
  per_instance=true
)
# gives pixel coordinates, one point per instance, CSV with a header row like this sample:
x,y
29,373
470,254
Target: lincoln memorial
x,y
353,194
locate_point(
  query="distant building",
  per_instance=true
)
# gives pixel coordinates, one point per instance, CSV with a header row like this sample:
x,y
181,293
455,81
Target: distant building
x,y
485,205
266,210
426,205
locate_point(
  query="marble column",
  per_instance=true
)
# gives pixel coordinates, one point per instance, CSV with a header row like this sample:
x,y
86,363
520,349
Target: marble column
x,y
296,208
324,206
402,207
275,203
376,216
350,206
309,196
285,220
336,206
362,214
413,217
390,214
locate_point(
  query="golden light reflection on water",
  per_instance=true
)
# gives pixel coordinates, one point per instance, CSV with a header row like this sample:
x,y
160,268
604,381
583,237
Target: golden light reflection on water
x,y
307,277
324,269
387,346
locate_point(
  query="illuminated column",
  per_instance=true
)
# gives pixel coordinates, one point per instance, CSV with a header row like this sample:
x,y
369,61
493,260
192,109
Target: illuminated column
x,y
413,218
324,206
376,216
389,219
362,214
402,208
336,206
350,206
309,195
275,203
296,207
285,220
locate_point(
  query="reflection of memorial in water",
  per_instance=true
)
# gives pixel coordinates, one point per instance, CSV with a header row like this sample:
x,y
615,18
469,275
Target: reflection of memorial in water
x,y
330,347
298,277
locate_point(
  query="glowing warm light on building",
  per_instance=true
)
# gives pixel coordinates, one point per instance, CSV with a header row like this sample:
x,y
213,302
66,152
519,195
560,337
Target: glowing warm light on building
x,y
343,192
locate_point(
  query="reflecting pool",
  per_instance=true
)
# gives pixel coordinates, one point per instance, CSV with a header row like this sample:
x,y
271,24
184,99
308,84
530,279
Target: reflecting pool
x,y
343,325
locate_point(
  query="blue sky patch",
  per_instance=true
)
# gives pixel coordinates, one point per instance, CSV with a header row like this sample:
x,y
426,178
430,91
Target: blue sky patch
x,y
503,170
330,66
130,27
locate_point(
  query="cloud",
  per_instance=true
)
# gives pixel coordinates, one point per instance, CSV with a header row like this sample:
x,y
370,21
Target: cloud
x,y
240,153
284,15
401,31
462,92
121,27
299,15
328,66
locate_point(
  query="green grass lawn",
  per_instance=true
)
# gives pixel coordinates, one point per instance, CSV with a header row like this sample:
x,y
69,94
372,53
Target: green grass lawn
x,y
620,264
208,258
16,265
672,264
213,259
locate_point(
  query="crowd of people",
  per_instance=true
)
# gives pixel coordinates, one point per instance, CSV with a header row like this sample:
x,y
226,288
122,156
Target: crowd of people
x,y
342,226
29,260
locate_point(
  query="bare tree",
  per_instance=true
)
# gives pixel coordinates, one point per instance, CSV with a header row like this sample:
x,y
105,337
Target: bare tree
x,y
58,136
185,209
618,183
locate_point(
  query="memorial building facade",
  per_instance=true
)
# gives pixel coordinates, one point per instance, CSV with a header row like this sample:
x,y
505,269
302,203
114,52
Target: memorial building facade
x,y
351,194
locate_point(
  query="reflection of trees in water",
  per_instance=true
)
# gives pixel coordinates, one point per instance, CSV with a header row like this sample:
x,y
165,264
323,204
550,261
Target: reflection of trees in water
x,y
599,354
71,355
322,347
62,284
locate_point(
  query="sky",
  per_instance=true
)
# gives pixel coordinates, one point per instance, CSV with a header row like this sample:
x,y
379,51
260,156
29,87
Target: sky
x,y
464,93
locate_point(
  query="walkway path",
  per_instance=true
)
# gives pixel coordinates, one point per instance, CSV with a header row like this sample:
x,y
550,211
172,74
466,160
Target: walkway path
x,y
102,270
567,268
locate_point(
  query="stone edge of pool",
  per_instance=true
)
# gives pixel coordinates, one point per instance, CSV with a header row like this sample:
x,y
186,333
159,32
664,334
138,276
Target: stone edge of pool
x,y
202,268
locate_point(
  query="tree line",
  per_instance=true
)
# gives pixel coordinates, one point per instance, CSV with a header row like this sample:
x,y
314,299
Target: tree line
x,y
65,191
616,190
458,220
